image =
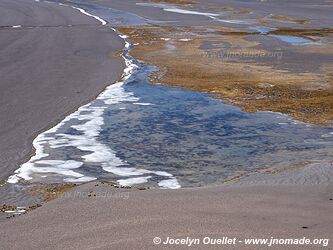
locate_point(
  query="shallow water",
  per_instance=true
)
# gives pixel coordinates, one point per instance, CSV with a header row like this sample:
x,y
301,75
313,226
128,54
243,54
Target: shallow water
x,y
262,29
137,133
295,40
175,9
137,130
113,16
202,141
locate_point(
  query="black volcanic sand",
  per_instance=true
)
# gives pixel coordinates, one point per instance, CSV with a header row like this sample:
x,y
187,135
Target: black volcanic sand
x,y
43,79
101,217
58,60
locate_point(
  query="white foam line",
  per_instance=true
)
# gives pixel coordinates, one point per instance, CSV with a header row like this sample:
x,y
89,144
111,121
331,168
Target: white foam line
x,y
171,183
184,39
17,211
17,26
213,16
70,164
143,103
81,179
90,118
133,181
233,21
85,13
172,8
190,12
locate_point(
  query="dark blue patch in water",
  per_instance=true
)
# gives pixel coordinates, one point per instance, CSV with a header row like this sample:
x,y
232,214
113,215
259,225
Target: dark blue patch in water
x,y
72,131
198,139
203,141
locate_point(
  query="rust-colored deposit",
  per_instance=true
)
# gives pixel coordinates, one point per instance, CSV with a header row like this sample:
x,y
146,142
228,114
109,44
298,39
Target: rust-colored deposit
x,y
239,70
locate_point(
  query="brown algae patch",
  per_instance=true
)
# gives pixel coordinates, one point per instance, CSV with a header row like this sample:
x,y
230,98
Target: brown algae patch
x,y
235,178
283,169
240,80
224,9
49,191
287,19
302,32
269,170
34,195
6,208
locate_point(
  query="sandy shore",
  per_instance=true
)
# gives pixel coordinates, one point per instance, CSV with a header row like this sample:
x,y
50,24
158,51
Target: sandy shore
x,y
57,61
130,219
63,67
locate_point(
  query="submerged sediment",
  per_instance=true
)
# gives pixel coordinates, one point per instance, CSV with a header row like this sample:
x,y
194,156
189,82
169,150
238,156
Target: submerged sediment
x,y
241,70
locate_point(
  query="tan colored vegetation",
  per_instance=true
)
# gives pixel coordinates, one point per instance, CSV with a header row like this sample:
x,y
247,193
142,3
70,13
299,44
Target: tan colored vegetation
x,y
307,96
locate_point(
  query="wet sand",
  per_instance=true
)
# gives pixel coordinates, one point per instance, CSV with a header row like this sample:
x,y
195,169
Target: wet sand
x,y
57,61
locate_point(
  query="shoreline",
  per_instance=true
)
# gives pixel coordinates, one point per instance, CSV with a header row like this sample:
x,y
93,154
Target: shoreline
x,y
95,215
39,139
24,170
83,90
35,143
22,173
114,93
131,218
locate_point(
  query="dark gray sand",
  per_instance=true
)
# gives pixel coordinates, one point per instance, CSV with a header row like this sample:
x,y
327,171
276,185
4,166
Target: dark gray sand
x,y
130,219
46,73
48,70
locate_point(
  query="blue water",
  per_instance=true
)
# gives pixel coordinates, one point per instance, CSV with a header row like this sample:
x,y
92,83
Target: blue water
x,y
201,140
164,136
262,29
293,39
113,16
